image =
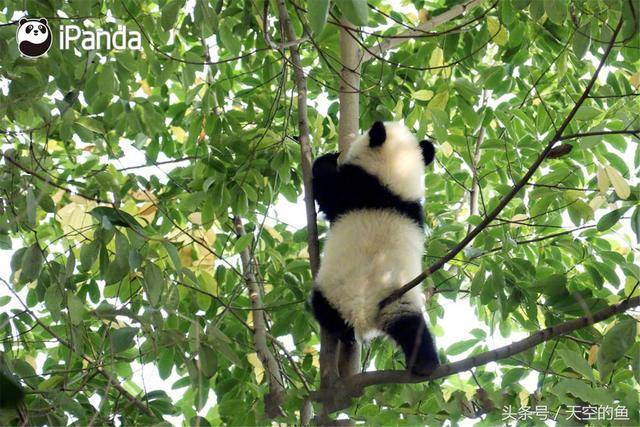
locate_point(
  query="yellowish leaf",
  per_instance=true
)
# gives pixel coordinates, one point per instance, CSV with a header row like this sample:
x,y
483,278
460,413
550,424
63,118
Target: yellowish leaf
x,y
208,283
274,233
603,180
147,211
145,87
258,369
250,319
497,31
423,15
144,196
58,196
195,218
447,149
631,288
31,361
179,134
437,58
439,101
597,202
185,256
397,111
422,95
517,218
619,183
75,217
572,195
593,354
53,145
634,80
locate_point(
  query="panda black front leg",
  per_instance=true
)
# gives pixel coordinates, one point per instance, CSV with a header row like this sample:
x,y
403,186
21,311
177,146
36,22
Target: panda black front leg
x,y
411,333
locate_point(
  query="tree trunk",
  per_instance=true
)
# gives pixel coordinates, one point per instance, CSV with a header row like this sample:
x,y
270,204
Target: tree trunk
x,y
349,129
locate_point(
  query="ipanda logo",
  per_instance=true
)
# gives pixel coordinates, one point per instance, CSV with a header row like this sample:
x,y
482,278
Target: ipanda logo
x,y
34,38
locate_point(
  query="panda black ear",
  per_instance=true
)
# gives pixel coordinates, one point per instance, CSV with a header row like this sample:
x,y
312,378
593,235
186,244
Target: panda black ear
x,y
22,21
377,134
44,21
428,151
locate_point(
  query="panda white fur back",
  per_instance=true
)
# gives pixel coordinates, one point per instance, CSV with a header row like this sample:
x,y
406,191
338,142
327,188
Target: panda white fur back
x,y
372,196
355,275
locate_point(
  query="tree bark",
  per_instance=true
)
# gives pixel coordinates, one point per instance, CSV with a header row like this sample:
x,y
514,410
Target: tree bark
x,y
273,400
349,129
328,346
351,58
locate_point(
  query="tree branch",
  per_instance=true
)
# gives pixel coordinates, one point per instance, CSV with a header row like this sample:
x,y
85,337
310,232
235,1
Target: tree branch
x,y
393,42
305,144
349,96
306,157
353,386
273,400
349,128
514,190
635,133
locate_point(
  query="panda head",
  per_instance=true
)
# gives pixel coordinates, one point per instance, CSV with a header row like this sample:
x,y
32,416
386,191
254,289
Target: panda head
x,y
390,152
34,37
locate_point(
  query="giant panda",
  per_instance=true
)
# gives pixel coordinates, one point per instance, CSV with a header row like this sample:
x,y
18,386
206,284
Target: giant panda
x,y
372,197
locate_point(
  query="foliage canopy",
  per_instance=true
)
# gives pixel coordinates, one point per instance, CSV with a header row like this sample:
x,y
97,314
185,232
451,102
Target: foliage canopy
x,y
120,272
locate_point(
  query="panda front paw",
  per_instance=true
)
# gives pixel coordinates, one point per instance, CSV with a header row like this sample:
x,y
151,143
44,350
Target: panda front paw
x,y
424,367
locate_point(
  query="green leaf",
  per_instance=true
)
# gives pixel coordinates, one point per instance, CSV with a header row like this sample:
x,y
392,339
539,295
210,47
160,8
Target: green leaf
x,y
170,14
461,346
242,243
422,95
586,113
636,364
173,255
581,41
318,13
122,339
635,223
31,208
617,341
576,362
32,261
119,268
88,255
76,308
536,8
579,389
154,283
229,40
610,219
115,217
556,10
53,298
356,11
208,361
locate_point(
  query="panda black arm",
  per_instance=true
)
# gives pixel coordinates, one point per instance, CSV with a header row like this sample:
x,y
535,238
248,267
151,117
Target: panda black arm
x,y
325,183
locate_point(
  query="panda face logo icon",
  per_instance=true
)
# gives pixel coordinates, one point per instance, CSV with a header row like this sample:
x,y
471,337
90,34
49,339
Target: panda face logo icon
x,y
33,37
